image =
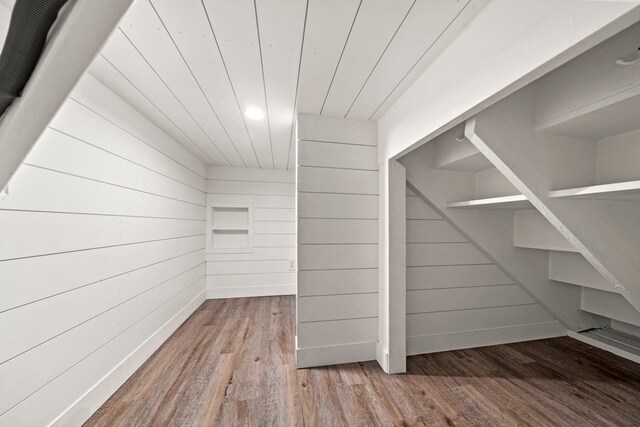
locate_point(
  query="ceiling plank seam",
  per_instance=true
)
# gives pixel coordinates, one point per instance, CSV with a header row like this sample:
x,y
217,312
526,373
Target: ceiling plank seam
x,y
419,59
264,85
178,99
355,17
295,98
198,84
226,69
380,58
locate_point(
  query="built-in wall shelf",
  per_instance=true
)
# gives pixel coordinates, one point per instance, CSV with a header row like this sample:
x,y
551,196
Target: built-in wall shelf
x,y
229,228
574,269
224,228
628,190
531,230
517,201
596,95
603,118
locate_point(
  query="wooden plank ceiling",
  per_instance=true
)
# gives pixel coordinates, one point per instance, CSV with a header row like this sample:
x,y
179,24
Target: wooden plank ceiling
x,y
194,67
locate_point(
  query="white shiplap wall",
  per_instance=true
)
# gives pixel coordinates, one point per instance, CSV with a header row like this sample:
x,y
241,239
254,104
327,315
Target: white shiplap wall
x,y
456,297
337,190
267,269
101,257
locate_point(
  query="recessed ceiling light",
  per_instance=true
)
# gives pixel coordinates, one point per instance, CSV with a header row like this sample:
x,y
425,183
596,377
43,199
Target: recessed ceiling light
x,y
254,113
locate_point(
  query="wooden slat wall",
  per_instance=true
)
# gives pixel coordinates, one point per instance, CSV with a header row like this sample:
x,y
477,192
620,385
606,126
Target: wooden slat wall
x,y
337,189
457,298
266,270
101,257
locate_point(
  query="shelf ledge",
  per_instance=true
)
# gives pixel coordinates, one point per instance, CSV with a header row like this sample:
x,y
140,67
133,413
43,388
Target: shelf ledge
x,y
628,190
598,120
244,229
517,201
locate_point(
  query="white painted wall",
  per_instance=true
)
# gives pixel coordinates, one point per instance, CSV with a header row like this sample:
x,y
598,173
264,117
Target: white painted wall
x,y
491,183
101,257
265,270
456,297
495,56
610,305
337,197
618,157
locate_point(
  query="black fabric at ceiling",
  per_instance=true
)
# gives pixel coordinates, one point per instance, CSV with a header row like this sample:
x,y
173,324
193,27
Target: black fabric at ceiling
x,y
30,24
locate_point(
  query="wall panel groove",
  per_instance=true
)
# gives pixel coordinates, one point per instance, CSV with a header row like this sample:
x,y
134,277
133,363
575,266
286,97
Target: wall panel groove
x,y
337,191
141,140
266,269
457,298
102,255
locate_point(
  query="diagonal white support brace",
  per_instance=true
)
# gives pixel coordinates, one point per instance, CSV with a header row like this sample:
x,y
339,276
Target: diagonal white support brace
x,y
605,232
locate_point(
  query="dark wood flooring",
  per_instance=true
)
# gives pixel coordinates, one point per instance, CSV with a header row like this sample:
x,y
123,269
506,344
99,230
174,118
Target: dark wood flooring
x,y
232,363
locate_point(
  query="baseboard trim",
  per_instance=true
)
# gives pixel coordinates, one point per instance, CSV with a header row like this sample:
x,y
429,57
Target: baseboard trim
x,y
625,351
335,354
82,409
251,291
482,338
382,357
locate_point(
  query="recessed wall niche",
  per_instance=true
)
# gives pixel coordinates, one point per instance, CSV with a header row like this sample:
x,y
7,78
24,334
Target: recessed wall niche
x,y
230,228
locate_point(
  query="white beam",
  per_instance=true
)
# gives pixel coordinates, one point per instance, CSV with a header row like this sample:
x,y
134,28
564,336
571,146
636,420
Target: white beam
x,y
391,351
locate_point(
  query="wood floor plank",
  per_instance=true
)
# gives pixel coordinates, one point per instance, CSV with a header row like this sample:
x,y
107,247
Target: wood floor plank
x,y
232,363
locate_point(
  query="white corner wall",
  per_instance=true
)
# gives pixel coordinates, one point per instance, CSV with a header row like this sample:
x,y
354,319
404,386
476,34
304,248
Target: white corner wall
x,y
266,270
337,191
101,257
456,297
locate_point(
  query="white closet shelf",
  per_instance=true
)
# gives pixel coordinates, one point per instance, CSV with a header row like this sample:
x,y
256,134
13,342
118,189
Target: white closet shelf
x,y
628,190
517,201
600,119
229,228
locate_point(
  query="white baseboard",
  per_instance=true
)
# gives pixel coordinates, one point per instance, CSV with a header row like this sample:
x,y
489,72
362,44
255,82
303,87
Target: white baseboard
x,y
482,338
617,349
87,404
251,291
389,367
382,357
335,354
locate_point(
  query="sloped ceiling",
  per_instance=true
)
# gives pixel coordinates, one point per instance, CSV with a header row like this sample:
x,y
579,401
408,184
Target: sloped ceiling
x,y
194,67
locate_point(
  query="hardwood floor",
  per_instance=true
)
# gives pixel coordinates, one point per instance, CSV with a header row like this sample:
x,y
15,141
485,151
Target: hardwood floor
x,y
232,363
